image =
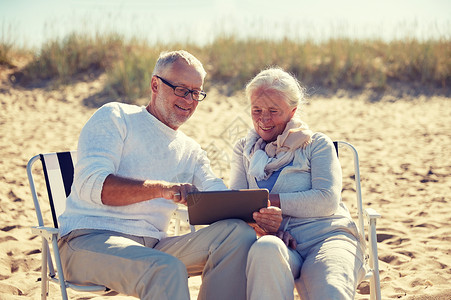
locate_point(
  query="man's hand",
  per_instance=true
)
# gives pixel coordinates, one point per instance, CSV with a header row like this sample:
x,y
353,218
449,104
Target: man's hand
x,y
269,219
177,192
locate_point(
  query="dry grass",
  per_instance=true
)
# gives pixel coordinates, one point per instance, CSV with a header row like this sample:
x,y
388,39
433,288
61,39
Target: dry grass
x,y
230,62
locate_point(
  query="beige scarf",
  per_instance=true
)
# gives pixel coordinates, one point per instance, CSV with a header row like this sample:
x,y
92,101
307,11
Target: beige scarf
x,y
265,158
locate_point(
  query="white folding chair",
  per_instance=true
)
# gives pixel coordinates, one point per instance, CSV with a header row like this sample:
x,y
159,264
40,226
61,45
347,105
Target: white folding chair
x,y
58,171
371,216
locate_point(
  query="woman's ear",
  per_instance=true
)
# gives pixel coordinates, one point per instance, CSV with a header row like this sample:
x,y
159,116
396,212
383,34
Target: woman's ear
x,y
293,111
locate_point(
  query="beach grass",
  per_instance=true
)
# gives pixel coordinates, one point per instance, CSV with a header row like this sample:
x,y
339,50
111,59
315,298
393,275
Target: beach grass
x,y
6,46
339,63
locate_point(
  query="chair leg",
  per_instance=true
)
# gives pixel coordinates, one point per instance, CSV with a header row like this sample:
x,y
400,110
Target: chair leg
x,y
59,268
44,281
374,262
177,226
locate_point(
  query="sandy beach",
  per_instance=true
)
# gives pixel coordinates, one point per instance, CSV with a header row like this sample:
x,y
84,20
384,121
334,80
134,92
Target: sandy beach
x,y
404,146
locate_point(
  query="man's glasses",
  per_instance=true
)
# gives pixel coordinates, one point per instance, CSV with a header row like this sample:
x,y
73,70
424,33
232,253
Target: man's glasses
x,y
183,91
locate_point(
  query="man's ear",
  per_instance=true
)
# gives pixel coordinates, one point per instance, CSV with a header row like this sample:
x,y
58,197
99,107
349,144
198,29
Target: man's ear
x,y
154,84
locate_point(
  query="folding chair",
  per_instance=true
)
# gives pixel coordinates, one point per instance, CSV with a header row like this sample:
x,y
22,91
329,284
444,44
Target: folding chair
x,y
58,169
371,216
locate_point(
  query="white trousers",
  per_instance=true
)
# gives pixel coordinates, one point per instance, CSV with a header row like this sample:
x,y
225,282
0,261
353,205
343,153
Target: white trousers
x,y
271,269
329,269
152,269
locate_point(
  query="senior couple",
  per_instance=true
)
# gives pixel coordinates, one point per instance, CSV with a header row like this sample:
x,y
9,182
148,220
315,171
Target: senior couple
x,y
134,167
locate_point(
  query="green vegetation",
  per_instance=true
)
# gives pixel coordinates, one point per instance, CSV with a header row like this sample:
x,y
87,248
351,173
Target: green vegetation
x,y
129,76
5,53
60,60
230,62
6,46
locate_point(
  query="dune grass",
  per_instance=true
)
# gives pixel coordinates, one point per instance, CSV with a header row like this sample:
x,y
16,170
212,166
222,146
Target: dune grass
x,y
230,62
5,53
6,46
61,60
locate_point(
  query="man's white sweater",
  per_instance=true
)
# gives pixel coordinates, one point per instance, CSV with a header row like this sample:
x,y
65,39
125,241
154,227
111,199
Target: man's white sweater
x,y
126,140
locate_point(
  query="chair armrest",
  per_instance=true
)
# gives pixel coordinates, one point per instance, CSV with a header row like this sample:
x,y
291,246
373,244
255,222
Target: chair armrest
x,y
49,233
372,214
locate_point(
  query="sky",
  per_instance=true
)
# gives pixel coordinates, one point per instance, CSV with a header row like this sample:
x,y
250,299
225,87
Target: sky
x,y
30,23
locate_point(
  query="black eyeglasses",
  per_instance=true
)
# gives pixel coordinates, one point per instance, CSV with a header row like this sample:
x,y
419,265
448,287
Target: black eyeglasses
x,y
183,91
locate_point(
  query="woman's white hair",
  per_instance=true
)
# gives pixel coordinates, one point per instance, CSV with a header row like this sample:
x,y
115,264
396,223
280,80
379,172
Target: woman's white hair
x,y
166,59
276,79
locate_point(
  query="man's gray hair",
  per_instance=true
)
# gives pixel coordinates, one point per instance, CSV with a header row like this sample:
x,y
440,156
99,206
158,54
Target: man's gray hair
x,y
276,79
166,59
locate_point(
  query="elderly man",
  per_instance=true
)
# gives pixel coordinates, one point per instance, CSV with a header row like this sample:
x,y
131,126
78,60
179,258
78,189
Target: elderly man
x,y
134,166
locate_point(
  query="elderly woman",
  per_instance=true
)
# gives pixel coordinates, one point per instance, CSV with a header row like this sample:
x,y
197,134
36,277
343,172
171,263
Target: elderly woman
x,y
302,172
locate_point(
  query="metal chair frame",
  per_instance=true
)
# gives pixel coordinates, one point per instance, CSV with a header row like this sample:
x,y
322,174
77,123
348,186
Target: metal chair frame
x,y
49,234
371,216
60,165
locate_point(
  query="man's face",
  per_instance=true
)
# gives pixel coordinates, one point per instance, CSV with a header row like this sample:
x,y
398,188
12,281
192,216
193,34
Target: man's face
x,y
170,109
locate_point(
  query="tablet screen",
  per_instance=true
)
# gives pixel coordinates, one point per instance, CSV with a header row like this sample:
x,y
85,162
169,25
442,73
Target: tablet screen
x,y
208,207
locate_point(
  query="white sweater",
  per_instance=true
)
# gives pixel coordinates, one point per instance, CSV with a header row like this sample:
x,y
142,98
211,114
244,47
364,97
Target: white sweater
x,y
126,140
309,188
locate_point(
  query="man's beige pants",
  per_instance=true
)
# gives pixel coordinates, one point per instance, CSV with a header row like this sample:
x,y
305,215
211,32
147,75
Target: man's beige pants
x,y
152,269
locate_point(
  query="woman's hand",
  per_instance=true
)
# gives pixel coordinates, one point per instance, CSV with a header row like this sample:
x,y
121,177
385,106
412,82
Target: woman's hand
x,y
287,239
258,231
268,219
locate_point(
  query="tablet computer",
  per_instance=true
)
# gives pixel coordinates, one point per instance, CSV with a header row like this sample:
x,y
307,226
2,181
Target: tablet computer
x,y
210,206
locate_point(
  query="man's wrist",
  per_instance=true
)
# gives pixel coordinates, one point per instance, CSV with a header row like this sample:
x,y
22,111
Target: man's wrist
x,y
155,188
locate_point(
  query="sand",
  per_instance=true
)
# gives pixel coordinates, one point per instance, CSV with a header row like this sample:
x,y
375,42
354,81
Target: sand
x,y
404,146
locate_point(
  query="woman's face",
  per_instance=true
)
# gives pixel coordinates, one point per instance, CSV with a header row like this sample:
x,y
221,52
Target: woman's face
x,y
270,113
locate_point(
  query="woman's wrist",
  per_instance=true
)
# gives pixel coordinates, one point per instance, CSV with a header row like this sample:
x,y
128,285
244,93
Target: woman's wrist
x,y
274,199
